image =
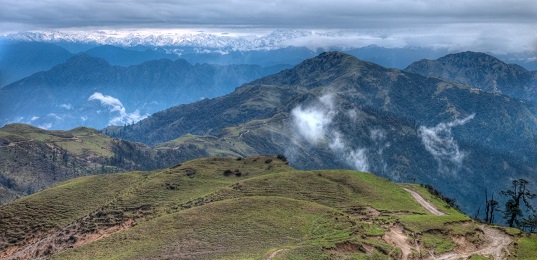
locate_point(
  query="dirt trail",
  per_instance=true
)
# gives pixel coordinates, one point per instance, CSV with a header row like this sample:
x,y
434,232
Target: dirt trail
x,y
397,237
273,254
496,246
425,203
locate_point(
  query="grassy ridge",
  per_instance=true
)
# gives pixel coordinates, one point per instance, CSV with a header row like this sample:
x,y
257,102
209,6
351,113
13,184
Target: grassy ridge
x,y
224,229
233,208
77,141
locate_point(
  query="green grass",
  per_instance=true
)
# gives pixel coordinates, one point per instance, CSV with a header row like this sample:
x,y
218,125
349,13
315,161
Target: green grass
x,y
213,146
77,141
527,247
59,206
235,229
205,209
336,188
439,243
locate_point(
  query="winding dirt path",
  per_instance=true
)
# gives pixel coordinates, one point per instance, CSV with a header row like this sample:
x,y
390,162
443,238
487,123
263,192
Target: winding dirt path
x,y
496,246
425,203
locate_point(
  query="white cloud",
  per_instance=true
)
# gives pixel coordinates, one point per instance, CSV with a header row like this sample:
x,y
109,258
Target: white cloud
x,y
112,102
440,143
34,118
358,159
45,126
115,105
462,24
67,106
54,116
312,123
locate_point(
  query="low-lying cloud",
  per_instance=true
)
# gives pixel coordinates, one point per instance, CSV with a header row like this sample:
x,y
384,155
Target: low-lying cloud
x,y
441,144
115,106
312,123
315,125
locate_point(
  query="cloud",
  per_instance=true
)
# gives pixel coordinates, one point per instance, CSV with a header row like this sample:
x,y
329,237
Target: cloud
x,y
296,13
67,106
392,22
54,116
115,105
358,159
441,144
312,123
45,126
110,101
315,125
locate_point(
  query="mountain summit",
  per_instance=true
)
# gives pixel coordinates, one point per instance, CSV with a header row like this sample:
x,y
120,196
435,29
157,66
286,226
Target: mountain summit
x,y
481,71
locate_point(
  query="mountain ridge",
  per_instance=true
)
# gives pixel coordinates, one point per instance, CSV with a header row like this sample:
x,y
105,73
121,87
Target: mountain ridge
x,y
126,93
358,115
34,159
481,71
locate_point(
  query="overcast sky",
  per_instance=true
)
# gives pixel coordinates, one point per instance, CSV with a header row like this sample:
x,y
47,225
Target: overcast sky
x,y
506,24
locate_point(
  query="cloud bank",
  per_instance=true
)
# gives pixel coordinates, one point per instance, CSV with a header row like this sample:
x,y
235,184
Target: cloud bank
x,y
479,24
115,106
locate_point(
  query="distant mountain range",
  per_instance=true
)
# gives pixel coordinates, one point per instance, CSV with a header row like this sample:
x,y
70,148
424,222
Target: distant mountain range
x,y
90,91
481,71
225,43
335,111
21,59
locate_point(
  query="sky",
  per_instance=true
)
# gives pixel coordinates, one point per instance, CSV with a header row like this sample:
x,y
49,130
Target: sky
x,y
492,24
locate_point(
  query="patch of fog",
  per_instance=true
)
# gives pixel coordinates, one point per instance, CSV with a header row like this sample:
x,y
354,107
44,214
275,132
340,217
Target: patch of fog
x,y
441,144
315,125
358,159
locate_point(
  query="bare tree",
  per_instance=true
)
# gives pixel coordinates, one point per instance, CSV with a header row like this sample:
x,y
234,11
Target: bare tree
x,y
491,206
518,195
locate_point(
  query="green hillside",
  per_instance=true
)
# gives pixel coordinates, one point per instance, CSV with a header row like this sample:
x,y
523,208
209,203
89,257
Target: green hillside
x,y
33,159
253,208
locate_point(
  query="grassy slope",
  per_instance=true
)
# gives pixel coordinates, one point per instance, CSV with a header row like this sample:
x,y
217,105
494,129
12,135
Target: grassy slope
x,y
41,212
196,211
76,141
528,247
34,159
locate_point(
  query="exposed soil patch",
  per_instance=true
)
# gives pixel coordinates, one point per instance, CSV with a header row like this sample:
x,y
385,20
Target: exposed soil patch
x,y
275,253
397,237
